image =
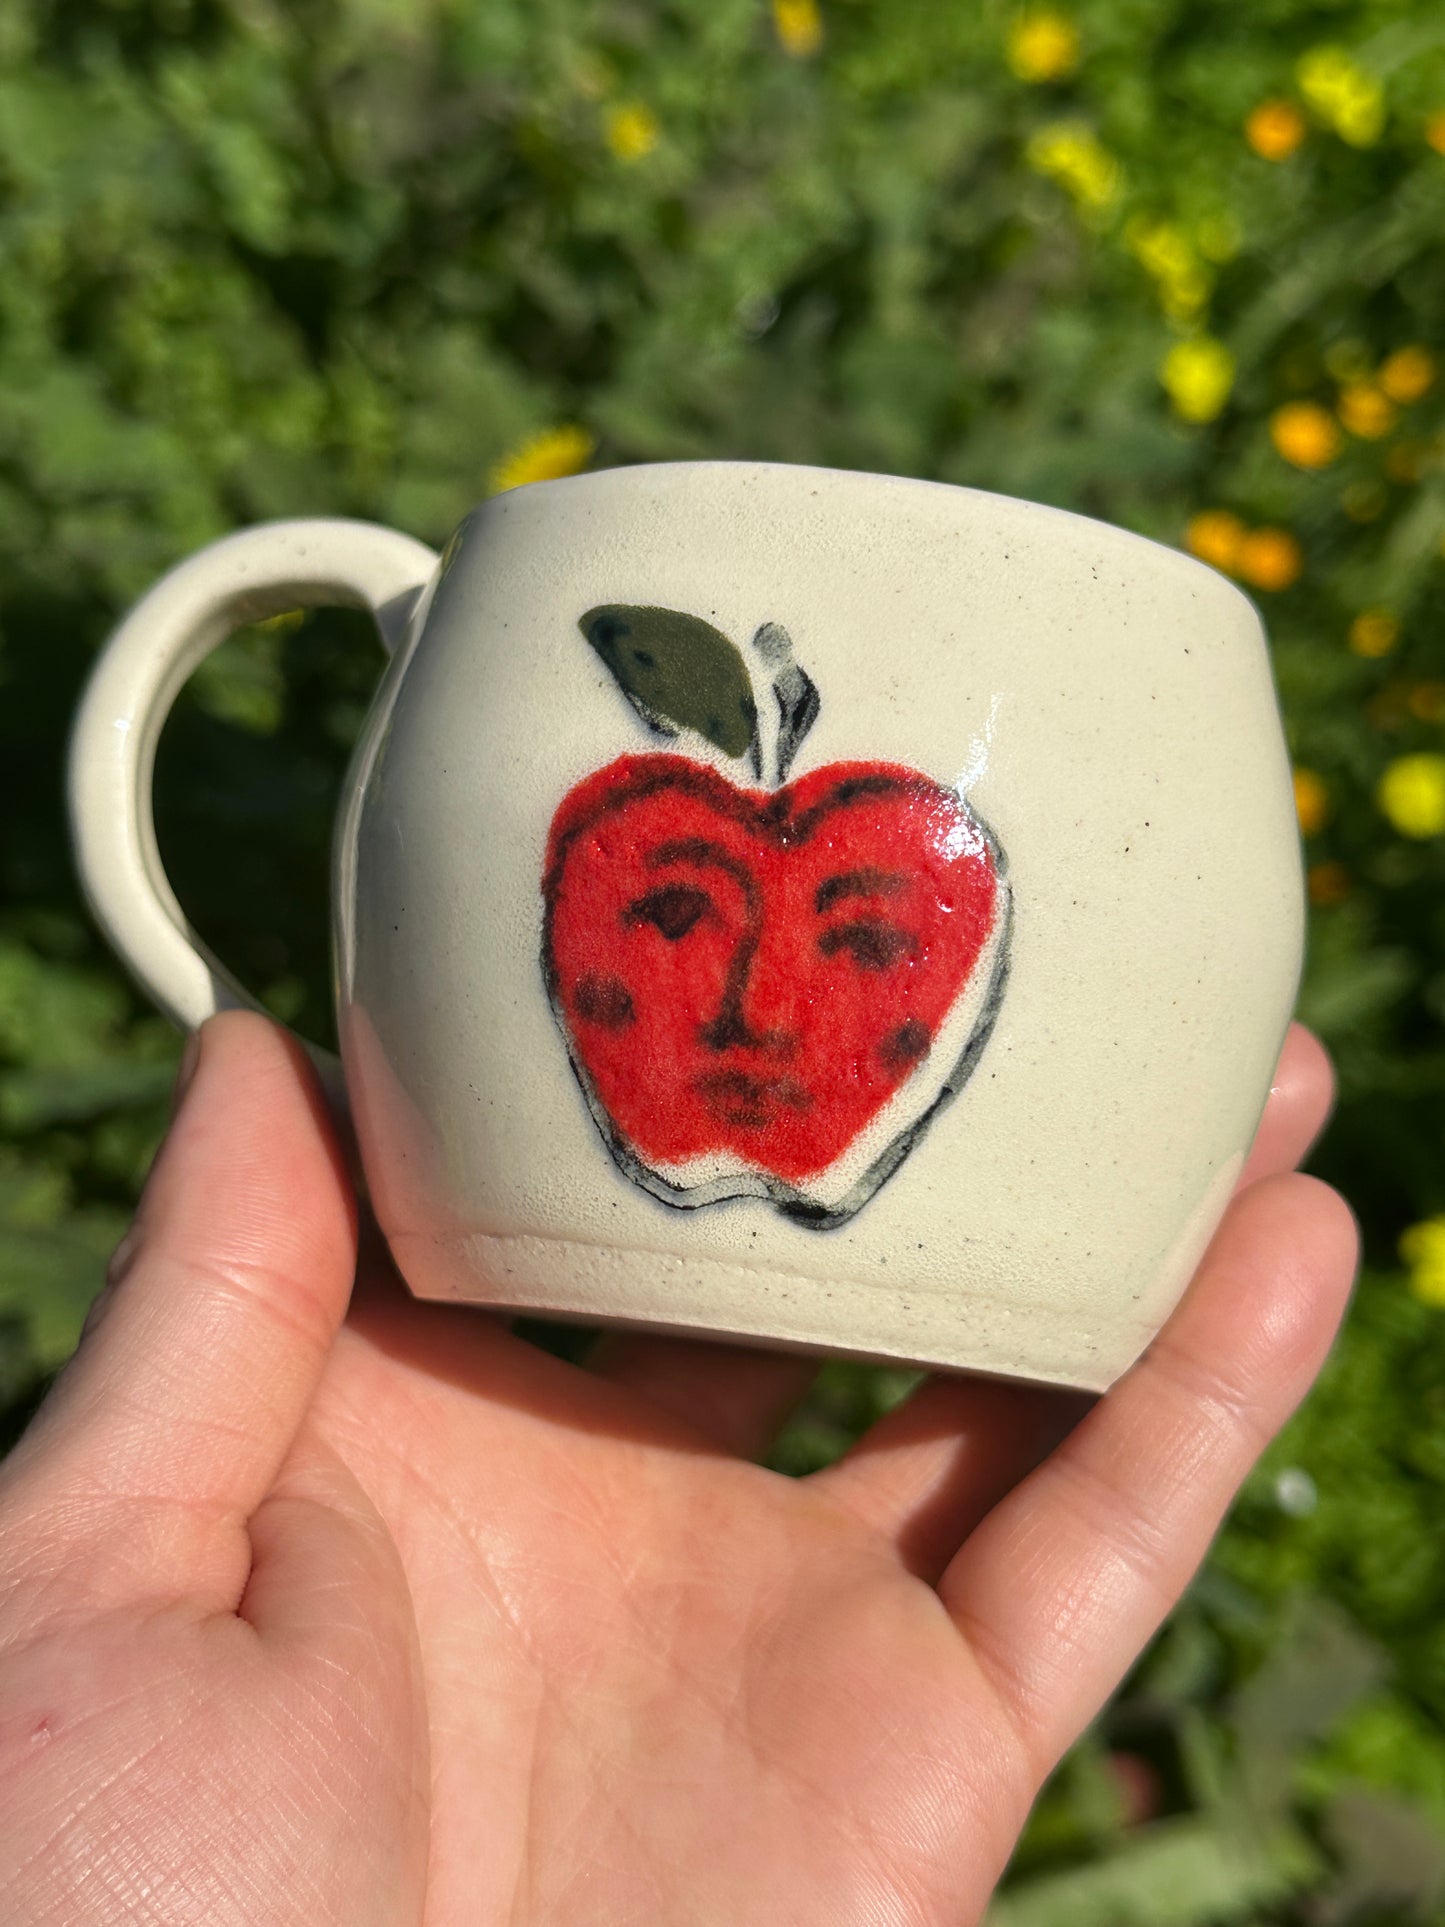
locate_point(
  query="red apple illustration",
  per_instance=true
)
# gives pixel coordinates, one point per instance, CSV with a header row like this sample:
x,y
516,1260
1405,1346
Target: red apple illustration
x,y
769,992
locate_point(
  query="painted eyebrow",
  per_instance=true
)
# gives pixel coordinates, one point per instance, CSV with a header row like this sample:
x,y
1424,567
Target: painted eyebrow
x,y
858,883
698,850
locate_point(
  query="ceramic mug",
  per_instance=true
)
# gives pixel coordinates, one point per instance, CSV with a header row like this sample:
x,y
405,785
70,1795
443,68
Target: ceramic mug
x,y
818,908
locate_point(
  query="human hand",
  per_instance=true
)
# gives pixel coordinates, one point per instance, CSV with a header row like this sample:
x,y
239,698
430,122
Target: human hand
x,y
404,1620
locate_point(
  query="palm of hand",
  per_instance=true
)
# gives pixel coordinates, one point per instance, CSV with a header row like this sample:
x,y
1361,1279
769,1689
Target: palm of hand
x,y
416,1623
655,1660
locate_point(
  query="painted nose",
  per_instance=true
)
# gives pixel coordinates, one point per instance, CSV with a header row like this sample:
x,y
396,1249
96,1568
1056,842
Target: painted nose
x,y
753,1013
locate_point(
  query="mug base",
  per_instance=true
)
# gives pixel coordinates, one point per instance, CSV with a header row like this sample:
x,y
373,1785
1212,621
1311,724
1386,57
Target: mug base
x,y
697,1297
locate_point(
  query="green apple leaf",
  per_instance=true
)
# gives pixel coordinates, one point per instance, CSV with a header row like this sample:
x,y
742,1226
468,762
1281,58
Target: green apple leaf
x,y
678,672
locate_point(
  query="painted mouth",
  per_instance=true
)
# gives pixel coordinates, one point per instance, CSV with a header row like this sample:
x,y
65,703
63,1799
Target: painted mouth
x,y
735,1097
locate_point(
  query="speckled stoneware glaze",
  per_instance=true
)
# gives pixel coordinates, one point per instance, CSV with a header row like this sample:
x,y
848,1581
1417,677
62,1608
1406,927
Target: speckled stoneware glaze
x,y
817,908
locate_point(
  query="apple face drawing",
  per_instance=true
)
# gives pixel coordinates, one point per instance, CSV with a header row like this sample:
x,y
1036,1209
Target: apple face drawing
x,y
764,992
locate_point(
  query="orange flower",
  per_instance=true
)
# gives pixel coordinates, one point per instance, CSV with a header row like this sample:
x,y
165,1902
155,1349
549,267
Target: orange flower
x,y
1216,536
1328,883
1435,132
1367,411
1305,434
1408,374
1270,559
1311,801
1275,129
1374,632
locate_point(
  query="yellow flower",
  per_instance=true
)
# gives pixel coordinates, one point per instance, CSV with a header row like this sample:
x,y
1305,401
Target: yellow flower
x,y
1270,559
1408,374
1311,801
1366,411
1198,375
1275,129
1422,1247
1343,95
632,130
1374,632
1215,536
1435,132
543,458
799,27
1043,46
1305,434
1412,794
1071,153
1328,883
1169,255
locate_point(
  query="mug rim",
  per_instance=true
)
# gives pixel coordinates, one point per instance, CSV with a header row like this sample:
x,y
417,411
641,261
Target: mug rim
x,y
876,481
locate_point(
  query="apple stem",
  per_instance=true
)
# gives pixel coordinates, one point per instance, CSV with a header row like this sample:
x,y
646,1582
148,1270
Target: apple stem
x,y
786,720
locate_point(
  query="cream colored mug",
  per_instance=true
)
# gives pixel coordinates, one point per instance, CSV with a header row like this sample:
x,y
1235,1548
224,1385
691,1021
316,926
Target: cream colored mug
x,y
816,908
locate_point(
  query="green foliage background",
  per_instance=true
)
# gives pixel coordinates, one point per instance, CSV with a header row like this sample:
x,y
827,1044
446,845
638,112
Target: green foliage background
x,y
346,256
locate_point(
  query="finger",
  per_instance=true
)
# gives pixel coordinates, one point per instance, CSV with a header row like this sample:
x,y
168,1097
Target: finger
x,y
1064,1581
169,1424
1301,1098
734,1396
928,1471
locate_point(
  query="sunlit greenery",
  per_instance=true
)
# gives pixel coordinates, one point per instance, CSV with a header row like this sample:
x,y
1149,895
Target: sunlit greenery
x,y
1177,263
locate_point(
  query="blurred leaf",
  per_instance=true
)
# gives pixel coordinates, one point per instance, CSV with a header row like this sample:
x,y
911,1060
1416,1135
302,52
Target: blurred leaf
x,y
31,1100
1393,1857
48,1278
1348,984
1319,1667
1177,1873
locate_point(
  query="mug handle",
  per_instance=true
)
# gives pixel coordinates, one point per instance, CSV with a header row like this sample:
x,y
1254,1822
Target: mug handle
x,y
247,577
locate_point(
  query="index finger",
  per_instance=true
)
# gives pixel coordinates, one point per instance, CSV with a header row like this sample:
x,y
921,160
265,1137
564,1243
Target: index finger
x,y
165,1431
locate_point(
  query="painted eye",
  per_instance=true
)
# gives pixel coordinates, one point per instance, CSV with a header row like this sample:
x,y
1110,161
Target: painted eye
x,y
672,908
872,942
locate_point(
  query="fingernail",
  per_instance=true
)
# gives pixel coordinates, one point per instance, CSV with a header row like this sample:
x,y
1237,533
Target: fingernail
x,y
185,1075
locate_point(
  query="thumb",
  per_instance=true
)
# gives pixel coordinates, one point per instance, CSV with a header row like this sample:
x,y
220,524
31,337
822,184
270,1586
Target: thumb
x,y
168,1427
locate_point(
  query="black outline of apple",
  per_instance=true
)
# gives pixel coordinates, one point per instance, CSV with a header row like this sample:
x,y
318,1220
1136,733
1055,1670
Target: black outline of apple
x,y
798,706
